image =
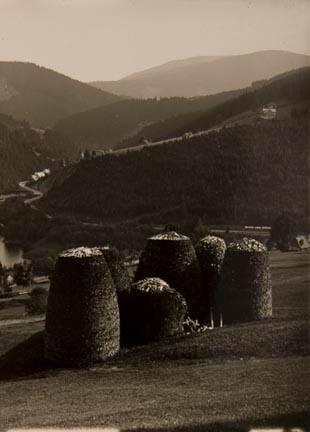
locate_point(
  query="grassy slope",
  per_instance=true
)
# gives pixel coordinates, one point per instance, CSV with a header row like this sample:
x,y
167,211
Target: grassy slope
x,y
227,379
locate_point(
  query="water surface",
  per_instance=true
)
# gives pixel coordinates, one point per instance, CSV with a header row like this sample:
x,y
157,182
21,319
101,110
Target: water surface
x,y
10,255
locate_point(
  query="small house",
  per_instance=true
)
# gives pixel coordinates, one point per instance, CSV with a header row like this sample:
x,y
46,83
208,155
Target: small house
x,y
303,242
269,112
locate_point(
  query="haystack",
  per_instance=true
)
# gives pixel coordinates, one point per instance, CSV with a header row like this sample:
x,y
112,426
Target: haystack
x,y
155,312
82,321
121,281
172,257
210,253
117,268
245,292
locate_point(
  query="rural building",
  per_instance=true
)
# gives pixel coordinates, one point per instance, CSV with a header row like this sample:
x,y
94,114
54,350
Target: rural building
x,y
40,174
299,243
269,112
303,242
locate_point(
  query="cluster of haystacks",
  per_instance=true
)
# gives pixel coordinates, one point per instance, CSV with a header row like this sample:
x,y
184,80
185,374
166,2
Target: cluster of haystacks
x,y
155,311
82,320
245,292
171,256
210,252
92,305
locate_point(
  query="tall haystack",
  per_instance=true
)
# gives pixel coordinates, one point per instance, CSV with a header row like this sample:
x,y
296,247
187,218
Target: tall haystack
x,y
122,282
245,292
82,320
117,268
172,257
155,312
210,252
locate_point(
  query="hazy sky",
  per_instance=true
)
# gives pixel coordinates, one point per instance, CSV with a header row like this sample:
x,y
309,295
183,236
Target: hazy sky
x,y
108,39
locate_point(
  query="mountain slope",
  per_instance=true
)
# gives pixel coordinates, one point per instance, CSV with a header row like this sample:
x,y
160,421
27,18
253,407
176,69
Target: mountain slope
x,y
42,96
205,75
288,90
24,151
104,126
247,174
171,65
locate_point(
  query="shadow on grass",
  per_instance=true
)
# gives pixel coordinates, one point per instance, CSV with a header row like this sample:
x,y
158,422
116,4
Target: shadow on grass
x,y
284,423
292,422
25,359
263,339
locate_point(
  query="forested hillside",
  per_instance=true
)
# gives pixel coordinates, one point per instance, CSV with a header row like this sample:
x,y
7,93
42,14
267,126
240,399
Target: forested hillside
x,y
240,175
42,96
286,90
205,75
104,126
23,151
291,89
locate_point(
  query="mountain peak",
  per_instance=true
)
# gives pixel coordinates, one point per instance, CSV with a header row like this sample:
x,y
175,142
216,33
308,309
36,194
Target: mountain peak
x,y
205,75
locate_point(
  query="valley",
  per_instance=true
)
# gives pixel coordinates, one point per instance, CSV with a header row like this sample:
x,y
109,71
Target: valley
x,y
191,149
231,134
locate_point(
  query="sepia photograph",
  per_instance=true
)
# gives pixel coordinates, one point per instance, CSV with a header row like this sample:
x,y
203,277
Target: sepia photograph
x,y
154,215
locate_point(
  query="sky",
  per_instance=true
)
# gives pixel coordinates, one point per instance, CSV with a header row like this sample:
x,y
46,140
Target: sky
x,y
109,39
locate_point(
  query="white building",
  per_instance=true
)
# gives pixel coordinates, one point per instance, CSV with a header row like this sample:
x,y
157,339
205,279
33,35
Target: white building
x,y
269,112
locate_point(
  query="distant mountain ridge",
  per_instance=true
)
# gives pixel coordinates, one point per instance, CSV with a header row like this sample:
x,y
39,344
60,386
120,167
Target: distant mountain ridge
x,y
124,123
103,127
42,96
171,65
289,89
205,75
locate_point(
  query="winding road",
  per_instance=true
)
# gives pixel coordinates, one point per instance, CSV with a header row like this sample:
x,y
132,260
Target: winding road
x,y
36,196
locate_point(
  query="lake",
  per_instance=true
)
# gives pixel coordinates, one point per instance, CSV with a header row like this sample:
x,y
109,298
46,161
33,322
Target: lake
x,y
10,255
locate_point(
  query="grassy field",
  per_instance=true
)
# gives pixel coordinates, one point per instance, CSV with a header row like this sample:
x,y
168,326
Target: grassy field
x,y
232,378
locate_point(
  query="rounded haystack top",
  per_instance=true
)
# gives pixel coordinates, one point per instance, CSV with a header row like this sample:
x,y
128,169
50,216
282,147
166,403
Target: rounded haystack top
x,y
170,235
152,310
81,252
213,240
212,243
152,284
247,245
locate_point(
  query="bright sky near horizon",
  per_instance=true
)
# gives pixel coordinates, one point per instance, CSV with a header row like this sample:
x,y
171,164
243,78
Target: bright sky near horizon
x,y
108,39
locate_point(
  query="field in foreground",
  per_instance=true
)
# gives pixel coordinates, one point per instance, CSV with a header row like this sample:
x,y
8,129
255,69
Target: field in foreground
x,y
231,379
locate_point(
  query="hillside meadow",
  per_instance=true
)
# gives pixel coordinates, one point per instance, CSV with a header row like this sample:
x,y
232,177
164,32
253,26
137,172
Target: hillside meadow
x,y
229,379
